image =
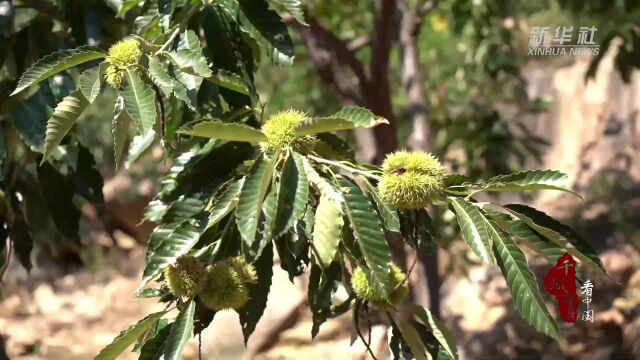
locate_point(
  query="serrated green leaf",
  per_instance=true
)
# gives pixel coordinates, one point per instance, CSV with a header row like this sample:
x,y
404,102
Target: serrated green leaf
x,y
171,246
180,210
224,131
438,329
64,116
529,180
346,119
153,347
266,27
159,75
473,226
322,284
368,233
90,82
327,230
252,195
120,130
562,235
186,87
320,183
140,102
225,203
293,7
188,56
412,338
153,331
521,281
455,180
55,63
192,62
139,145
128,336
155,210
180,333
293,194
387,212
400,350
230,81
331,146
251,313
523,233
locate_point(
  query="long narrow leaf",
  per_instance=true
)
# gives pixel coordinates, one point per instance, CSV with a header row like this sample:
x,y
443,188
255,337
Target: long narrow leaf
x,y
120,130
174,244
438,329
562,235
225,203
473,227
327,230
521,281
181,332
388,213
55,63
216,129
253,193
90,82
64,116
529,180
293,194
368,233
128,337
140,102
346,119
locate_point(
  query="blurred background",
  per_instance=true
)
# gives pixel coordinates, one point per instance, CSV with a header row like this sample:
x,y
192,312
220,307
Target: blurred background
x,y
455,78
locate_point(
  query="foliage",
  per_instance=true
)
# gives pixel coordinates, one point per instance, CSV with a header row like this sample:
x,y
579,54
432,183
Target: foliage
x,y
229,200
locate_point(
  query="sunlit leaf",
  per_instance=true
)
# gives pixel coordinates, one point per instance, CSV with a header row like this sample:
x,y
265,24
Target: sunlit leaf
x,y
293,7
438,329
140,102
224,131
521,281
327,229
388,213
127,337
251,313
64,116
473,227
120,130
172,245
55,63
293,194
529,180
253,193
346,119
264,25
91,81
159,75
180,333
368,233
562,235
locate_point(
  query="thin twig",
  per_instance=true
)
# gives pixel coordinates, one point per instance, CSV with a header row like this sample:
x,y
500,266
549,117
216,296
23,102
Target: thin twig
x,y
180,27
169,41
344,167
357,321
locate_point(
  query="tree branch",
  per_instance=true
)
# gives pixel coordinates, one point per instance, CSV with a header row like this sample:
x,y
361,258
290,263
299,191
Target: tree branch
x,y
411,75
336,46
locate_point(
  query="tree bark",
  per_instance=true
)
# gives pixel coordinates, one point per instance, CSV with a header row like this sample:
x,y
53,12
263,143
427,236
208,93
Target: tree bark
x,y
420,138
